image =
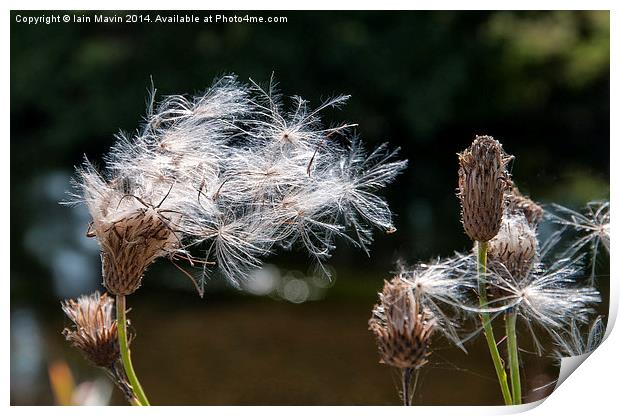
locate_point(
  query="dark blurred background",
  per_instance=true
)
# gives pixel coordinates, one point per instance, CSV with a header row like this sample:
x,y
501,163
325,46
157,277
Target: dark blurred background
x,y
424,81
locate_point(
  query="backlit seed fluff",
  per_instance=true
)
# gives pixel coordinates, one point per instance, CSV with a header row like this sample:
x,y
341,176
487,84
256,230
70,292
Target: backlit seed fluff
x,y
514,247
483,180
520,204
235,174
402,330
94,332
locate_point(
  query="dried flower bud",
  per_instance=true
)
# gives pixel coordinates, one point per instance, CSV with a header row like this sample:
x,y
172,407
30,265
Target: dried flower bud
x,y
483,179
514,248
403,332
95,332
519,204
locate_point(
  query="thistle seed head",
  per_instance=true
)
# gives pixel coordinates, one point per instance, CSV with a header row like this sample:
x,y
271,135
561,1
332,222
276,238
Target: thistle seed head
x,y
520,204
402,330
514,248
239,172
94,330
483,180
129,245
130,226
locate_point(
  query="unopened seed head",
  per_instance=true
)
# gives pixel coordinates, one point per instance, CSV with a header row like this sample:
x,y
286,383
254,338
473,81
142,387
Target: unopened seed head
x,y
94,331
520,204
483,180
514,248
402,329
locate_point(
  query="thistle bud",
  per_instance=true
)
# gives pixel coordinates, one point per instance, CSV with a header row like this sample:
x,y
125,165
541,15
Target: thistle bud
x,y
483,179
519,204
403,332
94,332
514,248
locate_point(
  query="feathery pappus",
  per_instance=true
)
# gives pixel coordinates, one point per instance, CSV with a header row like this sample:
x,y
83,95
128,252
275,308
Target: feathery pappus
x,y
572,342
590,230
237,173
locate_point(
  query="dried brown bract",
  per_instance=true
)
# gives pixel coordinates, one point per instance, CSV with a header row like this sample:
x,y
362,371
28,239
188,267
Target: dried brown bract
x,y
483,180
94,331
402,330
520,204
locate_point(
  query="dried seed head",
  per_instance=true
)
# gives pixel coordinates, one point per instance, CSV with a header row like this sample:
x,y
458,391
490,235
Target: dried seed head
x,y
514,247
129,245
519,204
131,226
403,332
94,331
483,179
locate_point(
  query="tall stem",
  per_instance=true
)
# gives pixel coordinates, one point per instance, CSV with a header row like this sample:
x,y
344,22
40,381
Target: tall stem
x,y
121,321
486,322
513,356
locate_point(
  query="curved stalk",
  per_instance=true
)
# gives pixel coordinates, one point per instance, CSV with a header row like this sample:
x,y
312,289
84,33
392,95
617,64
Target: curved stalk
x,y
486,323
125,353
513,356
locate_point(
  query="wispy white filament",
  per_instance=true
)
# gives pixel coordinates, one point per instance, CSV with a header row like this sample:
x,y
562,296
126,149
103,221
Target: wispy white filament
x,y
234,172
592,229
572,342
444,288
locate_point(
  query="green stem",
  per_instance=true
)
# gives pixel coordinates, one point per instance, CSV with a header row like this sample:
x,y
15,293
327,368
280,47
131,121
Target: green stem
x,y
513,356
486,322
121,322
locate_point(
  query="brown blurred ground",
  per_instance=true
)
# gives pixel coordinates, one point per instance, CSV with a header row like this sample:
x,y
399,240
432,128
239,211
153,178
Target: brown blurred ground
x,y
265,352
